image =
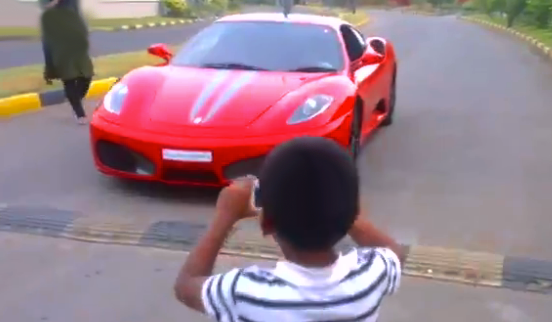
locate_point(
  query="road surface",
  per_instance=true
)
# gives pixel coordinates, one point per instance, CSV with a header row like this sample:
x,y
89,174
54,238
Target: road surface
x,y
465,165
14,53
66,281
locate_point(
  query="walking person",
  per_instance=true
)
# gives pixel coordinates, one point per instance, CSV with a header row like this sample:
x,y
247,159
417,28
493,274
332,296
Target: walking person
x,y
309,194
49,72
286,6
66,37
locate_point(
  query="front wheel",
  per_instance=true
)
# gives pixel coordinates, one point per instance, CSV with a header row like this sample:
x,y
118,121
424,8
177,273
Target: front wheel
x,y
354,136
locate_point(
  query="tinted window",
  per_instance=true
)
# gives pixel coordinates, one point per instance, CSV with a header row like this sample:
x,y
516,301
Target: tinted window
x,y
273,46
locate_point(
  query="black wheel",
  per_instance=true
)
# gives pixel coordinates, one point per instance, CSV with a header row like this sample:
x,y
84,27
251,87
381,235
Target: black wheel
x,y
391,105
354,137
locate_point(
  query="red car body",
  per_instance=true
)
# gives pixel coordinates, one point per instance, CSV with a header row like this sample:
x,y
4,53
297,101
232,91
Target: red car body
x,y
229,135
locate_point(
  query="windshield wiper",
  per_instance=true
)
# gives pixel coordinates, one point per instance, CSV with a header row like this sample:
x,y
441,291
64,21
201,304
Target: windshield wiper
x,y
231,66
313,69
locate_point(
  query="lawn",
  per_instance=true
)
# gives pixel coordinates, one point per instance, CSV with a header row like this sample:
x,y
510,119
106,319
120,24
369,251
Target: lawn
x,y
543,35
27,79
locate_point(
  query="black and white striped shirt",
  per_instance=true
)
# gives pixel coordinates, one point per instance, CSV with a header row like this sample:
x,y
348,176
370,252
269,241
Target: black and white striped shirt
x,y
351,290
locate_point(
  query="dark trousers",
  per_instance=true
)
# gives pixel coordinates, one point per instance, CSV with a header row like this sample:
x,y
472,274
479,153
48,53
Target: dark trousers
x,y
75,91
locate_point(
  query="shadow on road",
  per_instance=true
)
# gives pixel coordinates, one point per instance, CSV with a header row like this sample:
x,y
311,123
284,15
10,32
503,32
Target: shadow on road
x,y
163,192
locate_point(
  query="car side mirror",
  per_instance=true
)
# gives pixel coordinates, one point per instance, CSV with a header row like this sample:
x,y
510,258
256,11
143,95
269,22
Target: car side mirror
x,y
371,57
161,51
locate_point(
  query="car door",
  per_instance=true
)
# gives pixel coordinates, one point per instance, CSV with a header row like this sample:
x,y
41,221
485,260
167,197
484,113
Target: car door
x,y
356,46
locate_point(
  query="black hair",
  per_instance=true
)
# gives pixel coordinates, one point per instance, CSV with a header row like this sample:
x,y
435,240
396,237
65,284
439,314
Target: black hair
x,y
310,192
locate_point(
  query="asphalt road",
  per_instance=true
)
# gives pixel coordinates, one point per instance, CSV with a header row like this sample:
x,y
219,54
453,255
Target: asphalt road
x,y
66,281
14,53
466,164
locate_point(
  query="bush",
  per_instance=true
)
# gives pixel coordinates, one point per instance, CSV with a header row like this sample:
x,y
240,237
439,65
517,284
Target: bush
x,y
514,8
540,11
177,8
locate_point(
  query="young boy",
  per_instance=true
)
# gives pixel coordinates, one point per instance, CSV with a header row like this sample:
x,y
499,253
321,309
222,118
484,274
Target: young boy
x,y
310,199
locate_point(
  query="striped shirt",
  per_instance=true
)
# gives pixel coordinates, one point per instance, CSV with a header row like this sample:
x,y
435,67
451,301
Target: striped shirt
x,y
351,290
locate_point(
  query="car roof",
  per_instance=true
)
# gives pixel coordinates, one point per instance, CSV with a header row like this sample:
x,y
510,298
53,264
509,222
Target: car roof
x,y
333,22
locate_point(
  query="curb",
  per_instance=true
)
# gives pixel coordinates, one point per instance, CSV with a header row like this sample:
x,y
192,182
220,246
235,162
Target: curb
x,y
154,24
445,264
544,49
30,102
418,13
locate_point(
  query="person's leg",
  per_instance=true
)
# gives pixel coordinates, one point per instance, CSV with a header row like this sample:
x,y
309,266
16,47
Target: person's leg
x,y
84,86
73,94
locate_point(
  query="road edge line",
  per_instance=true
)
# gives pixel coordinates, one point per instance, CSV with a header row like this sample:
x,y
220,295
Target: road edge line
x,y
544,49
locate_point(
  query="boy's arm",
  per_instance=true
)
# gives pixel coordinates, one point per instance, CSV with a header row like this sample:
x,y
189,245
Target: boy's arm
x,y
198,268
365,234
195,286
384,249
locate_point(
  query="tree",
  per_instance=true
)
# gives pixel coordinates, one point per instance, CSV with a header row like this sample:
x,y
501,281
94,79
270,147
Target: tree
x,y
514,8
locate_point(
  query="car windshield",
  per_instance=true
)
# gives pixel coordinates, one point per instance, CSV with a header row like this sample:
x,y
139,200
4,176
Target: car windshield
x,y
272,46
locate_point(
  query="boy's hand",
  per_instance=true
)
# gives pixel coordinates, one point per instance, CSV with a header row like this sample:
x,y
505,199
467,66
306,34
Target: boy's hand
x,y
234,201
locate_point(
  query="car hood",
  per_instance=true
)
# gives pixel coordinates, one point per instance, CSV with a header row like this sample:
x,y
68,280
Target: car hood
x,y
218,98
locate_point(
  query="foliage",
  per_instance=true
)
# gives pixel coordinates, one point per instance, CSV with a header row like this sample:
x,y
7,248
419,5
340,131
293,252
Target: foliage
x,y
177,8
540,11
531,13
198,8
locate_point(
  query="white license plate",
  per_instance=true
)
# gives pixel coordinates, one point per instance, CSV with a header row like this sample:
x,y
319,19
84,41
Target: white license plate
x,y
187,156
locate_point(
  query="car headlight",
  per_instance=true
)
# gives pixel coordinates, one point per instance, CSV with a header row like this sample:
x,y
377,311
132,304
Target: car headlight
x,y
114,99
312,107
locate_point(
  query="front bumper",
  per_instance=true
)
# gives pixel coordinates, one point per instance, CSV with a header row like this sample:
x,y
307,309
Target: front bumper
x,y
133,154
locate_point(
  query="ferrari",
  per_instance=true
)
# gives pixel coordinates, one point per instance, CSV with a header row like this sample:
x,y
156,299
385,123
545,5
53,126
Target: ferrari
x,y
211,111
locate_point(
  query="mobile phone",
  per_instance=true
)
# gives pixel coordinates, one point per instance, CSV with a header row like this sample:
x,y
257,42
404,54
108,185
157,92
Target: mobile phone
x,y
256,196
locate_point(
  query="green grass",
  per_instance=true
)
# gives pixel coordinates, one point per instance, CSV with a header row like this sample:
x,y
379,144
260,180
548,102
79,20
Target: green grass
x,y
94,24
543,35
27,79
18,32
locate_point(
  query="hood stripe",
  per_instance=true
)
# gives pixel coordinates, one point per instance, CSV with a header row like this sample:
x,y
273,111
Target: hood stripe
x,y
243,80
207,92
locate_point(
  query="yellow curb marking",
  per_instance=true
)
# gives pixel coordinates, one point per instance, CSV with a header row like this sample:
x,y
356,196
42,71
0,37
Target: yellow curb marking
x,y
19,104
100,87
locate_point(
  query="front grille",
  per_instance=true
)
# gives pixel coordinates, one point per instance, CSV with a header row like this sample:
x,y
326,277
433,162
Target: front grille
x,y
121,158
243,167
191,176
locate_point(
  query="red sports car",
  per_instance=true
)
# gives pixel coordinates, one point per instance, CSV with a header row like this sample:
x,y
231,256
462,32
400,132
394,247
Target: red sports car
x,y
238,88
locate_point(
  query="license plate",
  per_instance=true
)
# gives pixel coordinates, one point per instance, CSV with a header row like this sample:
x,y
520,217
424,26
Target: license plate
x,y
187,156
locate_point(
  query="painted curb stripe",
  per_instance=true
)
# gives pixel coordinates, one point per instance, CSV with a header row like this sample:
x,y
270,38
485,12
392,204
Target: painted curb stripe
x,y
452,265
19,104
100,87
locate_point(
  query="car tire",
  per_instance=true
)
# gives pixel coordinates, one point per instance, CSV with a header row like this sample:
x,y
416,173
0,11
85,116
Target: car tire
x,y
355,134
388,120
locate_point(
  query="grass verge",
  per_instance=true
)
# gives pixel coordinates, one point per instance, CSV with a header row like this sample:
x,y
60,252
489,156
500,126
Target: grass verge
x,y
543,35
94,24
28,79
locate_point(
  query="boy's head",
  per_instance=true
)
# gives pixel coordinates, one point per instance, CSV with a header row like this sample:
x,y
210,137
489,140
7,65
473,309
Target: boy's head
x,y
309,193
